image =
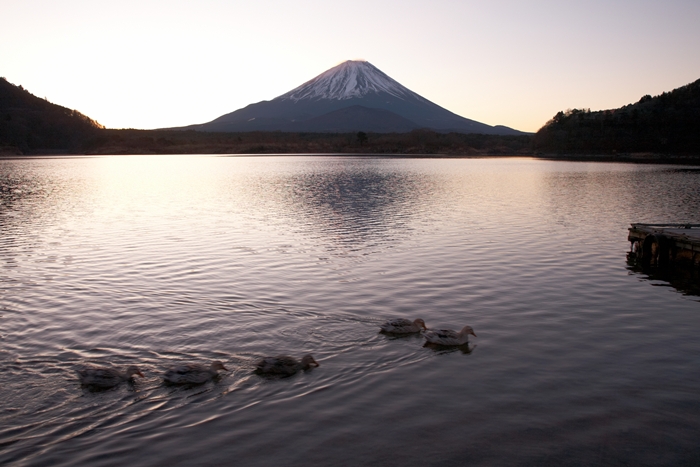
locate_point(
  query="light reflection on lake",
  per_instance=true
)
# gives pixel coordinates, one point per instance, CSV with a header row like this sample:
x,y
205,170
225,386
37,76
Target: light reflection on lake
x,y
581,359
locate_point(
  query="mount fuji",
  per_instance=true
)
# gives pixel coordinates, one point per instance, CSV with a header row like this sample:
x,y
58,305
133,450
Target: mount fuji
x,y
352,96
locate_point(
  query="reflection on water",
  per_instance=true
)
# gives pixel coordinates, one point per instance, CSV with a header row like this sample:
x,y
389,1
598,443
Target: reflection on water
x,y
466,349
683,278
352,203
163,260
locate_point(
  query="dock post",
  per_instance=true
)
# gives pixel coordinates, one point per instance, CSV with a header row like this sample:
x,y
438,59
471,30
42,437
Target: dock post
x,y
661,245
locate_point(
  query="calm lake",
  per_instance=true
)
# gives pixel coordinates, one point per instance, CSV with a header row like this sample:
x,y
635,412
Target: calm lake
x,y
580,359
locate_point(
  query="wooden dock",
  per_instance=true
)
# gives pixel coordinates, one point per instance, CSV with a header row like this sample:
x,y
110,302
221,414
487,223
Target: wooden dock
x,y
666,244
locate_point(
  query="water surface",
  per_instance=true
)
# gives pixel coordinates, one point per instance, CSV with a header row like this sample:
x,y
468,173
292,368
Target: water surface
x,y
158,260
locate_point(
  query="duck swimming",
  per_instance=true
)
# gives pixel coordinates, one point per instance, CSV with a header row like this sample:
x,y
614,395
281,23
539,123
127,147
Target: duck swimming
x,y
403,326
284,365
448,336
193,373
101,377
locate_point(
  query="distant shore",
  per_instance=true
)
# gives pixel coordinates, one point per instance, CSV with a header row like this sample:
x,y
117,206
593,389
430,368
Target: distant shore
x,y
638,158
620,158
418,143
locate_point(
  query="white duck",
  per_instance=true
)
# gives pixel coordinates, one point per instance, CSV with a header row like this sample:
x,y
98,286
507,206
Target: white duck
x,y
448,336
284,365
193,373
403,326
101,377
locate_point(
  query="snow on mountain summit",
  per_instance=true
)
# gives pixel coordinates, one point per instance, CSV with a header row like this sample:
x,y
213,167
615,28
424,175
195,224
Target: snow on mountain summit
x,y
350,79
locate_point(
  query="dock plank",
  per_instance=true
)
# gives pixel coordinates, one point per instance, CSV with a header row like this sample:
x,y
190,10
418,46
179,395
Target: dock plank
x,y
664,244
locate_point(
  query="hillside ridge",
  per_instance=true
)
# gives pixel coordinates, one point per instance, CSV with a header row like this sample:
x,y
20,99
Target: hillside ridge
x,y
30,124
667,123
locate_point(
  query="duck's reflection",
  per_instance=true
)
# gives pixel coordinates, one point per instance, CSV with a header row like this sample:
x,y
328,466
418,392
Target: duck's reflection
x,y
466,349
404,337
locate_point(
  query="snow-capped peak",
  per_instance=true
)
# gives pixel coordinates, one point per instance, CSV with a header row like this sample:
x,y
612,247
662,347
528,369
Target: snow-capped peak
x,y
350,79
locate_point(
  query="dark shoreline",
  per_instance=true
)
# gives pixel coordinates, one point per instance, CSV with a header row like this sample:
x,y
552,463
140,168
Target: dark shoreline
x,y
635,158
414,144
621,158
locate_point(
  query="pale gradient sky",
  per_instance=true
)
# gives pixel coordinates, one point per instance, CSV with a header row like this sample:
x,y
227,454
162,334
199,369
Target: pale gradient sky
x,y
158,63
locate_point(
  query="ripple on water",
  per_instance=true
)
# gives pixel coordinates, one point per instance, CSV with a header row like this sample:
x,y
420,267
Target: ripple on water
x,y
161,261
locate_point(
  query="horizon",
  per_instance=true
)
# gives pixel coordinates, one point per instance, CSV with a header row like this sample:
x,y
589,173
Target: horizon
x,y
139,70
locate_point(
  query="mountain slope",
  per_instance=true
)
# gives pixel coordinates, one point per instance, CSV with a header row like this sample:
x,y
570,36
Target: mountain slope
x,y
352,83
350,119
29,123
667,123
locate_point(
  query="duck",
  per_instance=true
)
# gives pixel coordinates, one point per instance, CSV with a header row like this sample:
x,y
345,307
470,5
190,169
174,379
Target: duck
x,y
403,326
448,336
284,365
103,377
193,373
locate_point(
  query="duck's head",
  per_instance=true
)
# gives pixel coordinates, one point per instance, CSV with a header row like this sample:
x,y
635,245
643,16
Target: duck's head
x,y
421,323
133,370
307,361
467,330
217,365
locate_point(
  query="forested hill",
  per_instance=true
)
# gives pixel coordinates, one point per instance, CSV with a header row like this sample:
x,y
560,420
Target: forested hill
x,y
667,124
31,124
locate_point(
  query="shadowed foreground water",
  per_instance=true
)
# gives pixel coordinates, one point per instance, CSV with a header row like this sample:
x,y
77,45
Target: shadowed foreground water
x,y
155,261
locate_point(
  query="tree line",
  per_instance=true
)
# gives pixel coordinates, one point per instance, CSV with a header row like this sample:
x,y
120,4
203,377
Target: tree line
x,y
665,124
